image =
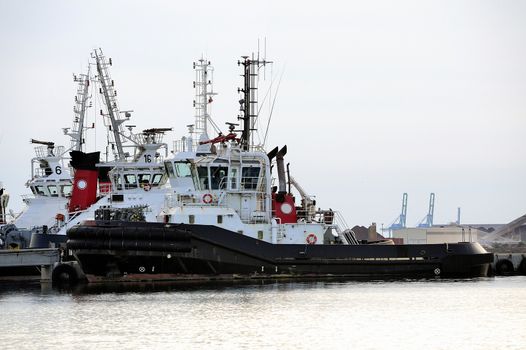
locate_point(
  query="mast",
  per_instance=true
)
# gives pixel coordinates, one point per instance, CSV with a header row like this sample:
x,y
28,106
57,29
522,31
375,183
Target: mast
x,y
248,104
109,93
81,105
203,97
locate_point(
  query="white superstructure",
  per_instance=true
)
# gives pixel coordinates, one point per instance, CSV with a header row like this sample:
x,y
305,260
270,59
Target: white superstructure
x,y
230,186
50,185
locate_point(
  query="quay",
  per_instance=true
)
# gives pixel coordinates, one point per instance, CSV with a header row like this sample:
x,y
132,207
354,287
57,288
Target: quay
x,y
43,259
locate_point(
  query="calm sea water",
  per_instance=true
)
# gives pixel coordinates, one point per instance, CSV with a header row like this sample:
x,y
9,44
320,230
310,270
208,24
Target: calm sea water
x,y
429,314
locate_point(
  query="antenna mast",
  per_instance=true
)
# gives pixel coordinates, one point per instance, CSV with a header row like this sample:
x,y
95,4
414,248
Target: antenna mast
x,y
248,104
109,93
204,73
81,105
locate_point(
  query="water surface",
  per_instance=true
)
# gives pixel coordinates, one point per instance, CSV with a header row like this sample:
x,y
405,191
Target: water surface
x,y
487,313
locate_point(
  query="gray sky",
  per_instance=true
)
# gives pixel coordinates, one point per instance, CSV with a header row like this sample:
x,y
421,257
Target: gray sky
x,y
378,97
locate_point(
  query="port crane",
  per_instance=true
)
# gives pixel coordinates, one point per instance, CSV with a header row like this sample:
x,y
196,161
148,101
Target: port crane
x,y
427,221
401,219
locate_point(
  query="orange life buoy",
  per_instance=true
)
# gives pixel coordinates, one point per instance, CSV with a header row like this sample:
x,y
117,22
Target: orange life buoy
x,y
311,238
207,198
60,217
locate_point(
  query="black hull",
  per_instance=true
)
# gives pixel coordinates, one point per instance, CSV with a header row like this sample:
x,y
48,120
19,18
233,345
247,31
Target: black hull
x,y
151,250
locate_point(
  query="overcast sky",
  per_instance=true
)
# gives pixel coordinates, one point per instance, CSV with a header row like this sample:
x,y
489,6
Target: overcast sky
x,y
378,97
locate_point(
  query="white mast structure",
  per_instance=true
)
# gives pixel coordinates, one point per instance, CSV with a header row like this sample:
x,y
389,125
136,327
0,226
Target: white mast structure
x,y
204,74
81,105
113,118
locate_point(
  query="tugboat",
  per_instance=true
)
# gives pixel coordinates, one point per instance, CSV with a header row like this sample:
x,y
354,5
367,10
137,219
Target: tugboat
x,y
137,184
57,198
223,218
135,176
50,184
59,201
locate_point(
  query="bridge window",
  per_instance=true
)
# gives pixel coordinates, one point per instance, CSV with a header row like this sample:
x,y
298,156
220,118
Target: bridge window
x,y
202,173
182,169
117,181
144,178
169,169
157,179
249,177
40,190
233,178
130,180
53,191
219,177
65,190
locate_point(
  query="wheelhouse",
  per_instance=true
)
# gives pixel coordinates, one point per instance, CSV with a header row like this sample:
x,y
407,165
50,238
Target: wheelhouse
x,y
218,174
51,189
126,178
50,177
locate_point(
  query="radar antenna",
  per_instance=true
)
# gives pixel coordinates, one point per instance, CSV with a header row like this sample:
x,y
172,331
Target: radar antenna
x,y
231,126
49,144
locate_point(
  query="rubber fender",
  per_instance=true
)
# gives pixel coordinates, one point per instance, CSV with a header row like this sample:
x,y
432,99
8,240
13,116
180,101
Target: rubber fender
x,y
504,267
522,267
64,274
491,271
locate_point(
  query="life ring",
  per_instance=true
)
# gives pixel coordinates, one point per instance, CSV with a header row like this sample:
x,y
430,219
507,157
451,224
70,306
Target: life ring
x,y
147,187
311,238
207,198
60,217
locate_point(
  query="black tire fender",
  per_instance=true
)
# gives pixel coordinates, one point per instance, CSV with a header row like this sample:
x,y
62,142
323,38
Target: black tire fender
x,y
504,267
522,266
64,274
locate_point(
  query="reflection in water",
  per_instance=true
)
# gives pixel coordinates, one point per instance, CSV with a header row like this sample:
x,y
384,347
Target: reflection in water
x,y
335,314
